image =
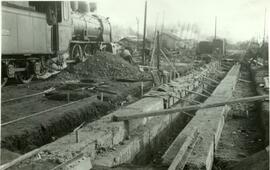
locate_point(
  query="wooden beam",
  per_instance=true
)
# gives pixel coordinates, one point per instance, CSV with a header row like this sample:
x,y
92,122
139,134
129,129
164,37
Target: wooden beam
x,y
212,80
245,81
188,108
191,115
196,93
183,154
207,92
204,82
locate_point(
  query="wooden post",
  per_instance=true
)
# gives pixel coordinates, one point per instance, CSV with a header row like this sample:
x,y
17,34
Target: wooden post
x,y
144,32
173,96
158,51
101,96
169,102
165,106
142,88
186,149
68,96
77,136
126,125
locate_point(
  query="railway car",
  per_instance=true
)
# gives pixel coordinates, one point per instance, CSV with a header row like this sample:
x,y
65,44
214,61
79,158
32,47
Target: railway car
x,y
219,46
36,34
204,47
216,46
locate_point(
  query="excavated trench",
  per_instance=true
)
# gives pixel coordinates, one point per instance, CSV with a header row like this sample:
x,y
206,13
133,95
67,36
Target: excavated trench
x,y
22,141
150,156
242,134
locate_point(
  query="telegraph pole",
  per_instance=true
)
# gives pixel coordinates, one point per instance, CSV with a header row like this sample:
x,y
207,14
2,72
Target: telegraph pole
x,y
215,27
137,19
158,49
264,26
144,32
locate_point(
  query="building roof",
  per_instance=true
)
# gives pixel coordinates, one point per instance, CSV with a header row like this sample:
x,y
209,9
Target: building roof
x,y
171,35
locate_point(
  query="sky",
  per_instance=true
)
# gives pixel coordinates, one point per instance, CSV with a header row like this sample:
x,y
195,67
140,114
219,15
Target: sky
x,y
237,20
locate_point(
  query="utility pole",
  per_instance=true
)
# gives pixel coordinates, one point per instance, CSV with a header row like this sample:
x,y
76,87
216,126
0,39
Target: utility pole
x,y
162,29
264,26
264,49
137,19
215,27
158,51
144,32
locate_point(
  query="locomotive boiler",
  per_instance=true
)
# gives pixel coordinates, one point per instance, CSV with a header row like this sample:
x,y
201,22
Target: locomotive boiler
x,y
37,34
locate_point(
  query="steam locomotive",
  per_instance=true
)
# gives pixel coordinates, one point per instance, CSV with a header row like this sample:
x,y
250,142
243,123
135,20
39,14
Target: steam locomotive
x,y
37,34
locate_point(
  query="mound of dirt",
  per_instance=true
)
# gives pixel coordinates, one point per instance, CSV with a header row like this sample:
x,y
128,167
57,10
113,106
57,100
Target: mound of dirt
x,y
103,66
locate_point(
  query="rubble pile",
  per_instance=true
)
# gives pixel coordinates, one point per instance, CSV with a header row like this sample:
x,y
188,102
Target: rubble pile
x,y
103,65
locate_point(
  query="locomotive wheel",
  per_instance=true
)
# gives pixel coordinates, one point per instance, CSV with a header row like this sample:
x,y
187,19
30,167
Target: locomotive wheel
x,y
87,50
43,68
25,76
77,54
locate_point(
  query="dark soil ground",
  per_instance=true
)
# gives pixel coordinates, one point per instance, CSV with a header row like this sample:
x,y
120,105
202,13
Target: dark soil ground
x,y
241,135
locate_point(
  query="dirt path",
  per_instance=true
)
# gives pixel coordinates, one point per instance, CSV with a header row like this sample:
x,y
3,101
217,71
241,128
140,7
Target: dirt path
x,y
241,135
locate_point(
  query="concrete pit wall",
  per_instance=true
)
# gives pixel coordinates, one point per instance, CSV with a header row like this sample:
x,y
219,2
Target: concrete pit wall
x,y
209,123
105,141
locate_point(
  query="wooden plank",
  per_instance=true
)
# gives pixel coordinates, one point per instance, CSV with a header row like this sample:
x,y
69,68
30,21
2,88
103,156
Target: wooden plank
x,y
245,81
204,82
27,96
212,80
189,108
183,154
207,92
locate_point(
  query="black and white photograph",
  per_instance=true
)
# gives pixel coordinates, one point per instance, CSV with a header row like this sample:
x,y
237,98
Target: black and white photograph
x,y
135,85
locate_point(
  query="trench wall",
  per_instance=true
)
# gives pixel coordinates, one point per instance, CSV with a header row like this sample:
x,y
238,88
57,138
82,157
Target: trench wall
x,y
210,123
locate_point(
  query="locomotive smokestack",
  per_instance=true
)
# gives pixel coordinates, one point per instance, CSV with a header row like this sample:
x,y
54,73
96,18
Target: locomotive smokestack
x,y
83,7
93,6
